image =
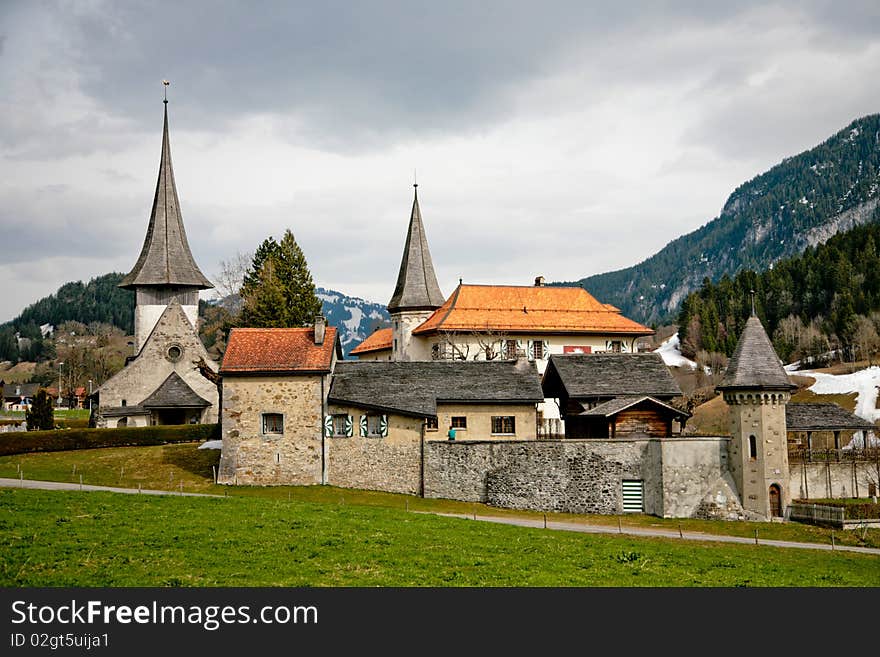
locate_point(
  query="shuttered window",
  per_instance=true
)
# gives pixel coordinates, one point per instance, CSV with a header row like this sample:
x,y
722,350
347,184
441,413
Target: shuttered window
x,y
633,496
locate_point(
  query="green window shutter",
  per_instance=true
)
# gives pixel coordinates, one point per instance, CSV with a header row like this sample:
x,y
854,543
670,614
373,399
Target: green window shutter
x,y
328,425
363,426
383,426
349,426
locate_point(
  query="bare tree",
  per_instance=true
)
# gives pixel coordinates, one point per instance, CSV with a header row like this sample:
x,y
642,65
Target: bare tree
x,y
232,272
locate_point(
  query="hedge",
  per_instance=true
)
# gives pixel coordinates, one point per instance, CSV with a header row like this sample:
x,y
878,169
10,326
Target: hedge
x,y
22,442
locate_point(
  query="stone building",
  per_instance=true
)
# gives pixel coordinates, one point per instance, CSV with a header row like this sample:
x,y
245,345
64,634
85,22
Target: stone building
x,y
275,385
757,388
159,384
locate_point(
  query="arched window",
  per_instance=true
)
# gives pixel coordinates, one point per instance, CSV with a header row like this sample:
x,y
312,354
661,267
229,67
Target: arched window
x,y
122,422
753,448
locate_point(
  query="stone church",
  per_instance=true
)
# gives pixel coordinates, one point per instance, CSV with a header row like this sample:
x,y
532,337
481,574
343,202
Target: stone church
x,y
159,383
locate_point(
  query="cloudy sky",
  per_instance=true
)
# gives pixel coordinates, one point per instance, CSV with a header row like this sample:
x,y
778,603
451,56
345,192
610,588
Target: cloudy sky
x,y
554,138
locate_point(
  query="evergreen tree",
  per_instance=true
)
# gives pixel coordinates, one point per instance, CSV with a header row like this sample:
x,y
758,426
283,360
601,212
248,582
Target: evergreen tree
x,y
278,289
40,416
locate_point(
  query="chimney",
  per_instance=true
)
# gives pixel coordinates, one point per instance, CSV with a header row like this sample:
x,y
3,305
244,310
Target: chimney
x,y
320,324
539,281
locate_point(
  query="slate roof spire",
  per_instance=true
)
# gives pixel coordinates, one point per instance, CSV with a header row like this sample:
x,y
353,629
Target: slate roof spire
x,y
754,364
165,258
417,287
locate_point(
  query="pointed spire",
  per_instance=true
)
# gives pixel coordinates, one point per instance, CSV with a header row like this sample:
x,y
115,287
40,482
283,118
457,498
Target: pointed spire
x,y
165,258
754,364
417,287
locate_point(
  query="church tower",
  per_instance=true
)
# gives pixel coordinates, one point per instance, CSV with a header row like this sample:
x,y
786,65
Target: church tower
x,y
166,268
417,293
756,388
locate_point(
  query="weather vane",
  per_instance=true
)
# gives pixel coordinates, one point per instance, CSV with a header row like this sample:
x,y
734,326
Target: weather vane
x,y
165,83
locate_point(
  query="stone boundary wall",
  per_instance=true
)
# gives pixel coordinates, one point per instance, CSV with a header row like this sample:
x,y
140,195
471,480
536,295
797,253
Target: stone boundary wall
x,y
820,480
683,477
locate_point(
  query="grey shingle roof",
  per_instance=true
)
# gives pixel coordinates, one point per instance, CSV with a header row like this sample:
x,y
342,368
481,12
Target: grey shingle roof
x,y
17,390
165,258
417,287
610,375
121,411
174,393
618,404
754,363
822,417
415,388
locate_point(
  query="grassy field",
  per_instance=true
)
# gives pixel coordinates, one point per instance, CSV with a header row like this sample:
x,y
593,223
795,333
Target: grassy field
x,y
166,467
102,539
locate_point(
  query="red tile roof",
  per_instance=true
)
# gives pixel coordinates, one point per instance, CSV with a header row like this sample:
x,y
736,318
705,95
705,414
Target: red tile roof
x,y
380,340
528,309
272,350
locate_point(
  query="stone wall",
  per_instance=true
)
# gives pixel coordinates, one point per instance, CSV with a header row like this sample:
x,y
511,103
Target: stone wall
x,y
251,457
682,477
391,463
811,481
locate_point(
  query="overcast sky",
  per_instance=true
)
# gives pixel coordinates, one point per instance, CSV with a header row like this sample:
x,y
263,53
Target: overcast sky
x,y
554,138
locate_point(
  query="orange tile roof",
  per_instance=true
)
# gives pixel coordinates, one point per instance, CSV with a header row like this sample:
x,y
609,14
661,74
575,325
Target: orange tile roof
x,y
528,309
380,340
252,350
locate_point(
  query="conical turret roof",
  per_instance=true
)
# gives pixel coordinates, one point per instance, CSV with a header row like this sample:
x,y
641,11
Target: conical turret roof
x,y
165,257
754,364
417,287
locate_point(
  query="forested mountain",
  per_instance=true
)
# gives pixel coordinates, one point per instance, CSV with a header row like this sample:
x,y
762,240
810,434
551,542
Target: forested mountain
x,y
800,202
99,300
826,299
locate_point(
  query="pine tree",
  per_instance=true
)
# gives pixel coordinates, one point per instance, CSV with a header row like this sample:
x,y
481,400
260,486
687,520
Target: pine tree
x,y
278,290
40,416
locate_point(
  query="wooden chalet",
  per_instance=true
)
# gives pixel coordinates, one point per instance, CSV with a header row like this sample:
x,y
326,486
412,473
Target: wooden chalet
x,y
611,395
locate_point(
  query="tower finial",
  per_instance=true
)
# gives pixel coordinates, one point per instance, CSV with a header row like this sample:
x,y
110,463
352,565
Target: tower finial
x,y
752,294
415,179
165,84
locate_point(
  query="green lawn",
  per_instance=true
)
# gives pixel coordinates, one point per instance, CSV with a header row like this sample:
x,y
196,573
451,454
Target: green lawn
x,y
104,539
166,467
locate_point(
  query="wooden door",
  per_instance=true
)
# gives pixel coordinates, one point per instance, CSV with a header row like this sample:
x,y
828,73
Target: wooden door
x,y
775,502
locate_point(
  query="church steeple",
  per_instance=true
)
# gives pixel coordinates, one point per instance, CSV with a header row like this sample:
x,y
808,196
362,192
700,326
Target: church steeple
x,y
417,287
165,258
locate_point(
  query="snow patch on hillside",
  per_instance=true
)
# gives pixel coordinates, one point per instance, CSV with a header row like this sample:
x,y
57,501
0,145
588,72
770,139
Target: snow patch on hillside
x,y
670,351
864,382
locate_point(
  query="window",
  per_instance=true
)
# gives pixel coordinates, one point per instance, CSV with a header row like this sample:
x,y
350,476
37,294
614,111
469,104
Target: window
x,y
174,352
753,448
374,425
431,424
340,425
459,422
537,350
124,403
510,349
503,424
438,351
616,346
273,423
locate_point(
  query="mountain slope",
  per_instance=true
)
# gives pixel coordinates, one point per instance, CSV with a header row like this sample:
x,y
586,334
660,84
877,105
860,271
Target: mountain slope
x,y
353,317
99,300
801,202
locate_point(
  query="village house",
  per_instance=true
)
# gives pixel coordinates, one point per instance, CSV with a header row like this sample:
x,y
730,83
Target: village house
x,y
606,395
292,414
159,384
18,396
